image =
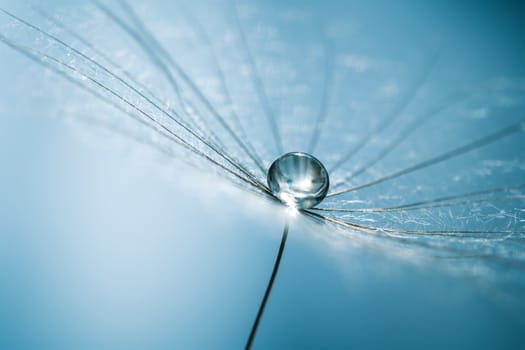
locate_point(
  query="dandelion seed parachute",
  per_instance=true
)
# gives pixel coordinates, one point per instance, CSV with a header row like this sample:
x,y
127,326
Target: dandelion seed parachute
x,y
416,216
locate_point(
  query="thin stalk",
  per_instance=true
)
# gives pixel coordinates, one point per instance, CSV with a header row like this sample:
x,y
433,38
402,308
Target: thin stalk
x,y
255,326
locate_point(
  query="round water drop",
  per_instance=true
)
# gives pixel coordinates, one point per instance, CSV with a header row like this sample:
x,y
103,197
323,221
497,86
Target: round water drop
x,y
298,179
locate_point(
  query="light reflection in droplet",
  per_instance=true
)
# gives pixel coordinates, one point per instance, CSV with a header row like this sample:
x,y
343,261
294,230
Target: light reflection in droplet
x,y
298,179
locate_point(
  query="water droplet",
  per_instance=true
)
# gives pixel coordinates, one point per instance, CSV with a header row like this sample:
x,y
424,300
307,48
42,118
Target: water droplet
x,y
298,179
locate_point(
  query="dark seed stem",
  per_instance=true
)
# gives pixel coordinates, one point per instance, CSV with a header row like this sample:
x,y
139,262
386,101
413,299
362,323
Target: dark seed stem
x,y
253,332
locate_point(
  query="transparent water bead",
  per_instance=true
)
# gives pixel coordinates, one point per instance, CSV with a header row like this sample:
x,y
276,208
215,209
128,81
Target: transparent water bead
x,y
298,179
